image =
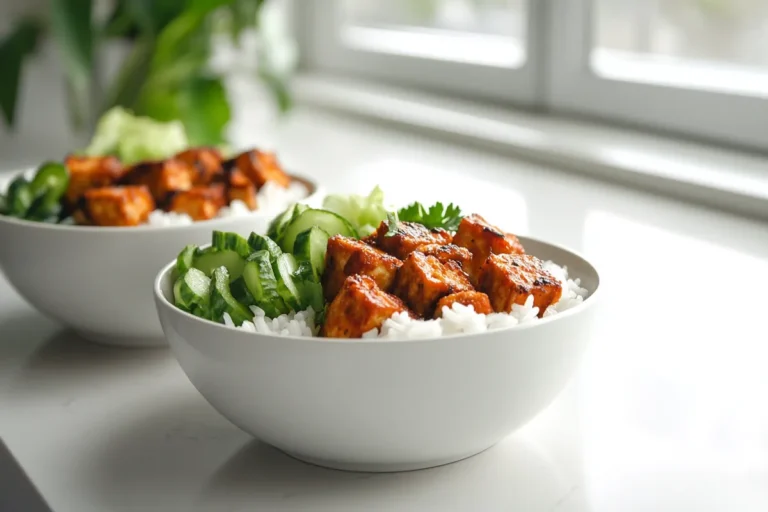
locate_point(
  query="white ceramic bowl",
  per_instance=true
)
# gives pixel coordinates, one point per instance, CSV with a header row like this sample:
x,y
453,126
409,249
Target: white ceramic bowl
x,y
97,280
374,405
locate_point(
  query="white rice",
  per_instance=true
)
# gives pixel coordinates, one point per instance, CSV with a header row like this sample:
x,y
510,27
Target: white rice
x,y
455,320
271,200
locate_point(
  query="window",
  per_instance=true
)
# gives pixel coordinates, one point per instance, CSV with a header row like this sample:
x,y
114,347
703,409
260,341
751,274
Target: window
x,y
694,67
479,48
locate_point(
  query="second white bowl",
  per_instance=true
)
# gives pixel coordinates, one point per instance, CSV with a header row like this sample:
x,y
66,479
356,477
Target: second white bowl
x,y
98,280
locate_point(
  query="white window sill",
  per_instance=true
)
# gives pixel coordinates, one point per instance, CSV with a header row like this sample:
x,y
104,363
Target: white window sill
x,y
717,177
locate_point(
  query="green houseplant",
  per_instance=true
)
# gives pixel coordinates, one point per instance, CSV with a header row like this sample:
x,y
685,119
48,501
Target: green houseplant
x,y
166,74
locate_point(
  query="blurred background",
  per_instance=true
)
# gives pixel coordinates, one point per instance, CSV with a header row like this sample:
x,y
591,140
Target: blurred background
x,y
694,69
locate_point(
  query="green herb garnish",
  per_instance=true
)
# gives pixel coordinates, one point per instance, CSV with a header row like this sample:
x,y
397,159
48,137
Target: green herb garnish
x,y
436,216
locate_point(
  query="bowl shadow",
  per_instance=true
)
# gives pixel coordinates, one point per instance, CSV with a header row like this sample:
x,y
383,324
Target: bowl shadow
x,y
66,360
179,454
511,475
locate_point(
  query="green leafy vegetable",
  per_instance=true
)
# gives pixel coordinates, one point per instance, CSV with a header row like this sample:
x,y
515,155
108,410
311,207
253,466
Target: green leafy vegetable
x,y
436,216
365,213
392,220
136,138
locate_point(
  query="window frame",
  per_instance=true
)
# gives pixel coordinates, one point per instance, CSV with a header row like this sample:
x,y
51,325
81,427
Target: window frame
x,y
557,76
575,88
323,50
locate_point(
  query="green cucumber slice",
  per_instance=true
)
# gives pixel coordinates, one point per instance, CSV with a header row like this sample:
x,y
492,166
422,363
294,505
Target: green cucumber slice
x,y
328,221
224,241
192,291
310,290
277,226
261,282
285,266
177,297
240,292
51,179
185,259
222,300
19,197
259,242
209,259
310,246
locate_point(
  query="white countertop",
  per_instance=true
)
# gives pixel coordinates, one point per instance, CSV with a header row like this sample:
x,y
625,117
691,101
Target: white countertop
x,y
667,413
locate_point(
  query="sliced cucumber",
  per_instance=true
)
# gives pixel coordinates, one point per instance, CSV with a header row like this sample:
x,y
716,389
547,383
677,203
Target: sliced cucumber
x,y
259,242
310,289
224,241
178,300
240,292
285,266
310,246
260,280
185,259
192,290
277,226
209,259
222,300
19,197
327,221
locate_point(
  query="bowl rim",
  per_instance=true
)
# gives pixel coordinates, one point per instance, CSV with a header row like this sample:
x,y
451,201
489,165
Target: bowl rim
x,y
314,188
589,302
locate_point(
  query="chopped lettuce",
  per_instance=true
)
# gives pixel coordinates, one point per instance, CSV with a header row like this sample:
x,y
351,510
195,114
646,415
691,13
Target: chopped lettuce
x,y
365,213
135,138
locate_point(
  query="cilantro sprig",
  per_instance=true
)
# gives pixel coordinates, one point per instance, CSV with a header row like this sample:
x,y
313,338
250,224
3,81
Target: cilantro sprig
x,y
436,216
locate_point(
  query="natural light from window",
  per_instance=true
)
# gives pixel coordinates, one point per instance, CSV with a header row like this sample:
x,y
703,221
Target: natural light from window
x,y
484,32
719,45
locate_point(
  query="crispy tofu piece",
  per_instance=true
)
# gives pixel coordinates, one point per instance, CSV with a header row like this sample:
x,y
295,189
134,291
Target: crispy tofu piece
x,y
409,237
422,281
261,167
242,188
87,172
510,278
162,178
478,300
484,239
118,206
200,203
450,252
207,162
346,256
359,307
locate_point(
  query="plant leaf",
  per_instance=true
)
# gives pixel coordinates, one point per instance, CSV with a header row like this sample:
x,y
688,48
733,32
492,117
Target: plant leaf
x,y
13,50
203,107
128,86
278,86
73,30
153,15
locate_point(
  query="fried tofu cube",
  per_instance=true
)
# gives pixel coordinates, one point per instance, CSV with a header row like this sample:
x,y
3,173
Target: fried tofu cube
x,y
484,239
261,167
510,278
359,307
408,237
478,300
200,203
346,256
118,206
207,163
242,188
450,252
162,178
86,172
422,281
